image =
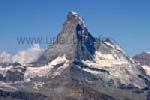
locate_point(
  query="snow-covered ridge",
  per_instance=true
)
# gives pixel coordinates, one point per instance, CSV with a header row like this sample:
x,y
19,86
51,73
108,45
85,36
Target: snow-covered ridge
x,y
22,57
116,70
113,45
44,71
54,68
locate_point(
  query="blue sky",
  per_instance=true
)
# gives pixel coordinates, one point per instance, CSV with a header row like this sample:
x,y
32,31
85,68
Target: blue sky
x,y
127,21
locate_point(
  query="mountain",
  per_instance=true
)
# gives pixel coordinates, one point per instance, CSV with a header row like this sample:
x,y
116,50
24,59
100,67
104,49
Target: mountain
x,y
144,59
77,66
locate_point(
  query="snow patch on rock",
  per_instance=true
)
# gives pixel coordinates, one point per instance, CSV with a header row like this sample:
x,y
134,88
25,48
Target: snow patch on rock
x,y
4,70
99,55
46,70
147,69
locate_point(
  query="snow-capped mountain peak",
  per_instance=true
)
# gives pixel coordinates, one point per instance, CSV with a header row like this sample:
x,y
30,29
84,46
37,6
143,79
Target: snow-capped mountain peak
x,y
77,66
103,57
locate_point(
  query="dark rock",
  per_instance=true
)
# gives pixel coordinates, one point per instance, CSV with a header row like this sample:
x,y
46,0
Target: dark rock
x,y
5,95
14,76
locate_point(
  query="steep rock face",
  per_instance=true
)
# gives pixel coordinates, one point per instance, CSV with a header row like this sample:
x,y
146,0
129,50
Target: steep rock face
x,y
74,41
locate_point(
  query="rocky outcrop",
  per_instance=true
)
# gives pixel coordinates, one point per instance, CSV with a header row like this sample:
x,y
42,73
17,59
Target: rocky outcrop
x,y
19,95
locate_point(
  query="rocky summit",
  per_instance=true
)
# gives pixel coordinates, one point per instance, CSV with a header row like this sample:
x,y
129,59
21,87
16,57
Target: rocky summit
x,y
77,66
74,41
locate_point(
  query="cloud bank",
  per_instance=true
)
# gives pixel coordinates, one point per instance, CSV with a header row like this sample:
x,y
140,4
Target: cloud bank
x,y
23,56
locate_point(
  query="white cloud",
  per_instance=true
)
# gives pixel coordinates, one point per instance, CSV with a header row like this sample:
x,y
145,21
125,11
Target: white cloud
x,y
5,57
23,57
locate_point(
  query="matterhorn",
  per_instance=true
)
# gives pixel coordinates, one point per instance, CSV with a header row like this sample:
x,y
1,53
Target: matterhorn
x,y
77,66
